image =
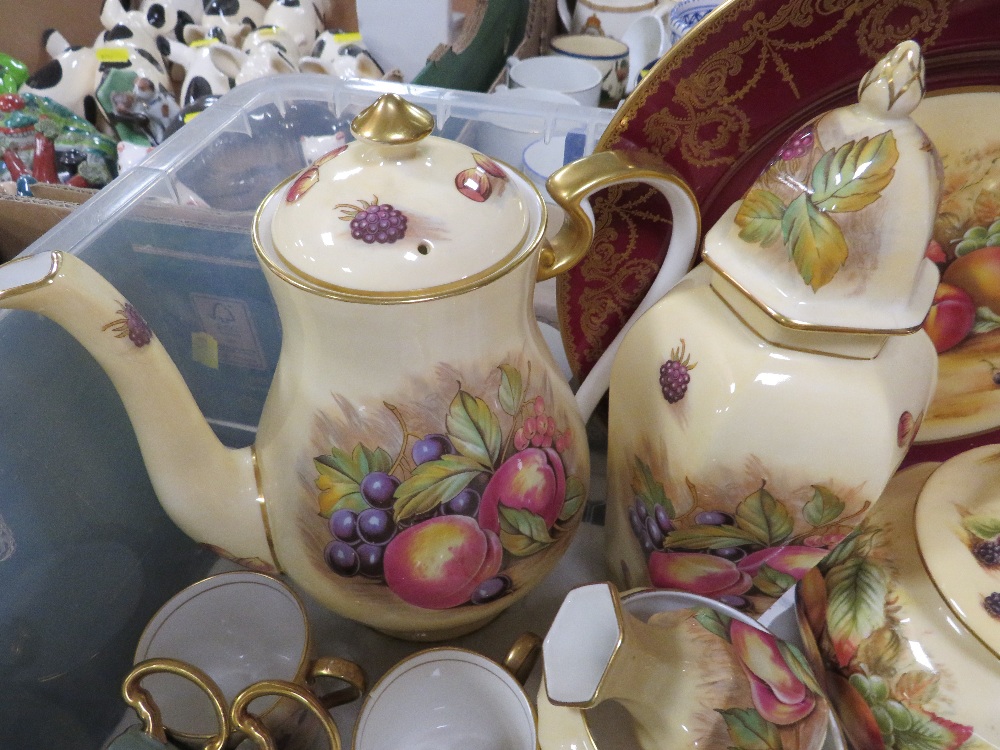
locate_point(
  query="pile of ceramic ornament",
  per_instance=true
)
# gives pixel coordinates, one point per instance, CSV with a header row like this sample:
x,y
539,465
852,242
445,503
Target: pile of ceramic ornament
x,y
91,112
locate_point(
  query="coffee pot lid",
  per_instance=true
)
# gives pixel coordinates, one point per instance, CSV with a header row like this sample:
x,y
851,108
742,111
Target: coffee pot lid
x,y
834,232
398,211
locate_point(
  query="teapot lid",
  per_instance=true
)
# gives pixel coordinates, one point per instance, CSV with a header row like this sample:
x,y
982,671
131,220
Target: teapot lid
x,y
398,213
833,234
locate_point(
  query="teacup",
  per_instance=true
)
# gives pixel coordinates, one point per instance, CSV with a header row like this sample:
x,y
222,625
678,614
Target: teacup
x,y
565,75
151,732
239,628
609,56
648,39
452,699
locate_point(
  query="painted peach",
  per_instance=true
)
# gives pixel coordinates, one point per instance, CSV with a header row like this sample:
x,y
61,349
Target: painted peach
x,y
978,273
533,479
440,562
697,573
777,693
951,316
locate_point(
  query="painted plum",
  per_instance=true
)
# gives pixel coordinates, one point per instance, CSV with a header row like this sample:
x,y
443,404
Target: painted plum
x,y
533,479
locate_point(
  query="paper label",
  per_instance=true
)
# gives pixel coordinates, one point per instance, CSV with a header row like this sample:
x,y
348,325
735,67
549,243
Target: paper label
x,y
229,327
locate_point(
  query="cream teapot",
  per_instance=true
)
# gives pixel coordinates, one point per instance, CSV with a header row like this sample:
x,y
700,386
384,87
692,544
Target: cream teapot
x,y
420,462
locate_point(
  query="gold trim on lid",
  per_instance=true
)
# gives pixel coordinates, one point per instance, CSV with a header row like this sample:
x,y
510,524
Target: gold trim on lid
x,y
393,121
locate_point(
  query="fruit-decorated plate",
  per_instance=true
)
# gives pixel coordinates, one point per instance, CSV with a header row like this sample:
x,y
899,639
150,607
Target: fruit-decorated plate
x,y
721,103
965,319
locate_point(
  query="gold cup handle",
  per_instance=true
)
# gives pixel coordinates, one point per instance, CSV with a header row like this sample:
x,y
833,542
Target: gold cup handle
x,y
152,722
347,672
523,655
569,186
254,728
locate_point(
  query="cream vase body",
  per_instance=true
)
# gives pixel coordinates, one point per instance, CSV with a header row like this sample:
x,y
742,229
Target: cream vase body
x,y
735,463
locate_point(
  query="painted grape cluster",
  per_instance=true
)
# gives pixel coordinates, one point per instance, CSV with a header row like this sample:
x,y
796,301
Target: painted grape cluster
x,y
749,551
441,523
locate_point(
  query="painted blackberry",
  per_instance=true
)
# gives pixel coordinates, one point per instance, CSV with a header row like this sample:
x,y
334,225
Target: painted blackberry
x,y
991,604
374,222
987,552
675,374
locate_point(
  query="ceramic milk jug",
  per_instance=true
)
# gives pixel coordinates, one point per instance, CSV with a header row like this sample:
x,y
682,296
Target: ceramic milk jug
x,y
688,671
759,409
420,462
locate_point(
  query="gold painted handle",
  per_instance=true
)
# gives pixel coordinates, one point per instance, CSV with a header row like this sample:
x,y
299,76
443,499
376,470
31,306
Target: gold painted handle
x,y
346,672
523,655
571,184
152,722
254,728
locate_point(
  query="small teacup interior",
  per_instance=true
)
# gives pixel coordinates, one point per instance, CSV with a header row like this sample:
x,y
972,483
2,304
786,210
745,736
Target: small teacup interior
x,y
446,699
239,628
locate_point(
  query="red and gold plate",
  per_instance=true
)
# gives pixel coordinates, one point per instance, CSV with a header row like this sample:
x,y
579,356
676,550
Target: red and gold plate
x,y
719,105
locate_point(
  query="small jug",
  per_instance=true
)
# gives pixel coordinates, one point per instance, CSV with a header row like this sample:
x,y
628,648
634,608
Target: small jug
x,y
689,671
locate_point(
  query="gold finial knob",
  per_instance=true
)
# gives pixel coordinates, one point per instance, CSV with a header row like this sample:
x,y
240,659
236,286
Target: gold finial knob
x,y
393,121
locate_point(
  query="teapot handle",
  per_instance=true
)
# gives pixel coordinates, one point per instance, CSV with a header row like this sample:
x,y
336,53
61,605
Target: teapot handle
x,y
573,183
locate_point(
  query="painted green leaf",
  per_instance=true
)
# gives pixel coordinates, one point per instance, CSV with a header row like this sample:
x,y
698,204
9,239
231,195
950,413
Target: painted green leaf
x,y
985,527
522,532
343,463
748,730
765,519
511,389
771,582
923,733
701,536
759,217
852,176
986,320
714,622
433,483
344,490
474,429
856,591
824,507
576,495
814,241
368,460
645,486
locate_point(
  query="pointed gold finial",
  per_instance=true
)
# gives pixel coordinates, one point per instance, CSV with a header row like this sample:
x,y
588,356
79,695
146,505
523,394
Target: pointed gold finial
x,y
895,86
393,121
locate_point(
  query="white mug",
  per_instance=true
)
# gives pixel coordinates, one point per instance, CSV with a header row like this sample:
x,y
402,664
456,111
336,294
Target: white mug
x,y
565,75
452,699
648,38
609,56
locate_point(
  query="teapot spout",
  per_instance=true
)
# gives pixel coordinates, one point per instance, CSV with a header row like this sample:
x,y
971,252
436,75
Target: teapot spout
x,y
209,490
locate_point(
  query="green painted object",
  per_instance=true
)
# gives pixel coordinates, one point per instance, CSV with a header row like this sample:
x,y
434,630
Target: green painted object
x,y
474,60
13,74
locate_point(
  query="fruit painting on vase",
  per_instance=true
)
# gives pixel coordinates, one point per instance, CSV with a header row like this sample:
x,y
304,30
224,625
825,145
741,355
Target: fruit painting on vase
x,y
757,410
443,500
